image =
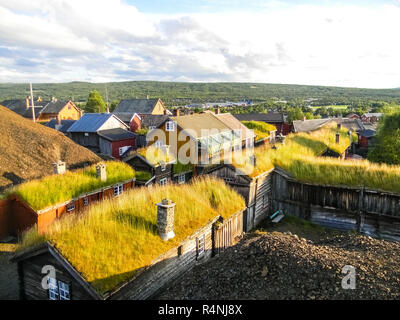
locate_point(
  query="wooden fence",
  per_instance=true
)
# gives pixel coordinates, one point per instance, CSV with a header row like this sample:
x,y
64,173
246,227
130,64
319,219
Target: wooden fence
x,y
371,212
227,233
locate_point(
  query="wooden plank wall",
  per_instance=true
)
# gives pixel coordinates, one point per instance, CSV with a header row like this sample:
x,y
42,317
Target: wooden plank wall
x,y
371,212
228,233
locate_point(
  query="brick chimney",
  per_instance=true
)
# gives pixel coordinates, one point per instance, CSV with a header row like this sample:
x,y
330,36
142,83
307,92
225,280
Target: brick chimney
x,y
165,219
337,137
101,171
177,112
59,167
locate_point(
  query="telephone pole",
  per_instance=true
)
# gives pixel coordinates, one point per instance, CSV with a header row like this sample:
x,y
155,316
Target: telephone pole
x,y
33,106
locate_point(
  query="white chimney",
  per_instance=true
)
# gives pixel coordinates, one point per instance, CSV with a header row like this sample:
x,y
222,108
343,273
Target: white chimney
x,y
59,167
165,219
101,171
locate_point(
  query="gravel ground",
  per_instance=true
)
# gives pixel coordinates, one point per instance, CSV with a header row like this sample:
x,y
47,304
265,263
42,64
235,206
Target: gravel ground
x,y
279,264
8,273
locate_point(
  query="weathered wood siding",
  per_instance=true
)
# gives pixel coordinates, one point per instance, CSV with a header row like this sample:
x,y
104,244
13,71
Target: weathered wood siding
x,y
371,212
31,276
255,191
5,218
228,233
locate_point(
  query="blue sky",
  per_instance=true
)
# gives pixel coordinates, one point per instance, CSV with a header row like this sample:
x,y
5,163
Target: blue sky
x,y
196,6
337,43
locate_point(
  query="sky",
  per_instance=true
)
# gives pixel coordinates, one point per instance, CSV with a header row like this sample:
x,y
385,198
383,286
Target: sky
x,y
334,43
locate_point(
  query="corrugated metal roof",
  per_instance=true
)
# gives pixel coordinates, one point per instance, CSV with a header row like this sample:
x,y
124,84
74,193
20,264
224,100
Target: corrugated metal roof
x,y
136,106
116,134
266,117
90,122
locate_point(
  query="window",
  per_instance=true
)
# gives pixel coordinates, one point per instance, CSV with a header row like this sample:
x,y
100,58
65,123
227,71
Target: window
x,y
69,107
151,128
200,246
170,126
163,181
181,178
71,207
163,165
58,290
119,189
86,134
121,151
158,144
85,201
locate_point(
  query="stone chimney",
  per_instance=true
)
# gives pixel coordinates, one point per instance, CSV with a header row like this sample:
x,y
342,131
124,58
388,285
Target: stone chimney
x,y
165,219
337,137
177,112
59,167
101,171
217,110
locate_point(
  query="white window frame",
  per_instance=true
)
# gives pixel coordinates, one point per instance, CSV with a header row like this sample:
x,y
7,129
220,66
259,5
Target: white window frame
x,y
85,201
70,206
170,126
200,246
163,181
58,290
86,134
182,178
118,190
158,144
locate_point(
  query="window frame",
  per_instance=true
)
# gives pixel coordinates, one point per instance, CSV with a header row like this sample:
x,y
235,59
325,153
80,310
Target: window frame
x,y
181,178
70,206
58,290
163,181
85,201
200,246
118,190
170,126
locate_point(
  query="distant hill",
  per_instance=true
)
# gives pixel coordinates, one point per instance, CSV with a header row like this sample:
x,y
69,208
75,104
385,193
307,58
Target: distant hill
x,y
28,150
181,93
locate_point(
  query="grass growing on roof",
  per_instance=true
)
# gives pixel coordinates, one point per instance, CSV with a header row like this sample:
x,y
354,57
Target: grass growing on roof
x,y
55,189
117,237
261,129
142,175
154,154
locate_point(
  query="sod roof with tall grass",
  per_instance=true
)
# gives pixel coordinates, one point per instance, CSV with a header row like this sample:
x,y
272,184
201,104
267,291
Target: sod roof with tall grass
x,y
115,238
301,156
55,189
154,155
261,129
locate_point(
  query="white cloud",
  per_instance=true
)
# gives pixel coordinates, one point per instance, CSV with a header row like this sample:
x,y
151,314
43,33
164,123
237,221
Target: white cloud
x,y
92,40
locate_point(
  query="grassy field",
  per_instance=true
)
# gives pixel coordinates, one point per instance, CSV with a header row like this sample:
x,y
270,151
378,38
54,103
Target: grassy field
x,y
129,223
54,189
331,106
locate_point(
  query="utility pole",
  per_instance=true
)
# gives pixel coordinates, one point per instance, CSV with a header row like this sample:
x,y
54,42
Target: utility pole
x,y
33,106
108,109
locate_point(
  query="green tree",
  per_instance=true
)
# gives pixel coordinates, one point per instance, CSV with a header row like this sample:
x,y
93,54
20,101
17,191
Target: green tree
x,y
95,103
387,147
113,105
294,114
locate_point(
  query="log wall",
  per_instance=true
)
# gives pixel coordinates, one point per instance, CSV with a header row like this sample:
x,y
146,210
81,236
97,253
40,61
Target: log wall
x,y
371,212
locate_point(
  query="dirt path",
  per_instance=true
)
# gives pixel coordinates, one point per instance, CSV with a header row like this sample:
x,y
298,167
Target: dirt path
x,y
8,273
295,260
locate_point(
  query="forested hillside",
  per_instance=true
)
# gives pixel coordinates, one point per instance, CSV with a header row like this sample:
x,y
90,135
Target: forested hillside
x,y
179,93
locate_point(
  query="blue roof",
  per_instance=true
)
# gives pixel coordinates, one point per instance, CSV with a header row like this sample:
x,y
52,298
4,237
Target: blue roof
x,y
90,122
